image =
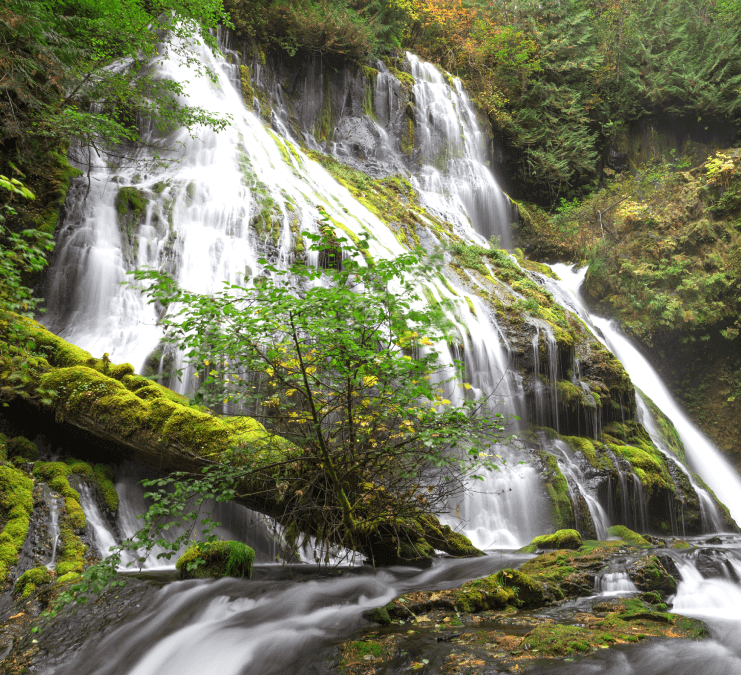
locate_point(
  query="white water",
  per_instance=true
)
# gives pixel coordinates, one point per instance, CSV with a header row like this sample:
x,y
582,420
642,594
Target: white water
x,y
52,501
614,583
199,227
105,539
454,181
575,477
702,455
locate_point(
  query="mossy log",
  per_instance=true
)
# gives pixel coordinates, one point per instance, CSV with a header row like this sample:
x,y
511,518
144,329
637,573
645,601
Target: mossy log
x,y
124,416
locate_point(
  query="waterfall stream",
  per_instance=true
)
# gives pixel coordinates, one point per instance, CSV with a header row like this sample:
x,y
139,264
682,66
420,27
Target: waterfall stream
x,y
702,455
199,225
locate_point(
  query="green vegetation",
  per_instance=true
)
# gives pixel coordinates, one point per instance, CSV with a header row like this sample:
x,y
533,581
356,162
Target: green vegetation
x,y
103,477
22,447
561,539
216,560
16,506
627,535
370,421
563,80
31,579
355,30
55,475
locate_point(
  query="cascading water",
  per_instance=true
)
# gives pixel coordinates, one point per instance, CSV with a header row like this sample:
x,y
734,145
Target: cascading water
x,y
454,178
237,522
578,489
201,224
52,501
105,538
244,193
702,455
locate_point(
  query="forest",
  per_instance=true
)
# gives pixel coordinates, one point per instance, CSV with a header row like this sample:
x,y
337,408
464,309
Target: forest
x,y
433,305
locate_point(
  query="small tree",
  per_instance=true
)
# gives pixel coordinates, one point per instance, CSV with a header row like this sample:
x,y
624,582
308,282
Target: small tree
x,y
342,360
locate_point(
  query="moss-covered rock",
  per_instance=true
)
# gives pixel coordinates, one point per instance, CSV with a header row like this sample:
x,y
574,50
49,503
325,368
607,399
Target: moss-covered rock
x,y
55,475
649,574
623,533
560,539
22,447
216,560
103,477
32,579
16,507
572,573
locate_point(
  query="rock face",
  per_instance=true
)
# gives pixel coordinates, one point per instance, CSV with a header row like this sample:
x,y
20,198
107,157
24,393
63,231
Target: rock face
x,y
713,563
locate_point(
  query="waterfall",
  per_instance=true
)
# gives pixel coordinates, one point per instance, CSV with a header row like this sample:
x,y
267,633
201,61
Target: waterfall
x,y
614,583
702,455
105,538
236,522
454,178
244,193
52,501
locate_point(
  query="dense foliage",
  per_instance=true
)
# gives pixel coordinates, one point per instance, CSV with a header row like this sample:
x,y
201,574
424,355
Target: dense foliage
x,y
342,360
562,79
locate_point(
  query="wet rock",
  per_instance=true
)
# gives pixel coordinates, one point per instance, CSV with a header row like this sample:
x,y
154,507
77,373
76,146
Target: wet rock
x,y
713,563
648,574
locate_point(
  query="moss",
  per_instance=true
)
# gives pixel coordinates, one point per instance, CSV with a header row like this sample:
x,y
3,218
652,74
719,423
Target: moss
x,y
666,429
72,558
483,594
68,577
593,452
648,464
3,447
80,468
561,539
560,506
405,79
216,560
55,474
22,447
62,354
627,535
81,390
248,93
16,507
528,592
563,640
31,579
131,206
380,615
443,538
407,134
470,304
103,477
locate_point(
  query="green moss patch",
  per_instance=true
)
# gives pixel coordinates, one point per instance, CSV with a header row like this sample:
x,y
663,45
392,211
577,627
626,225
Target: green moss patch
x,y
22,447
32,579
627,535
16,507
216,560
55,475
560,539
103,477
